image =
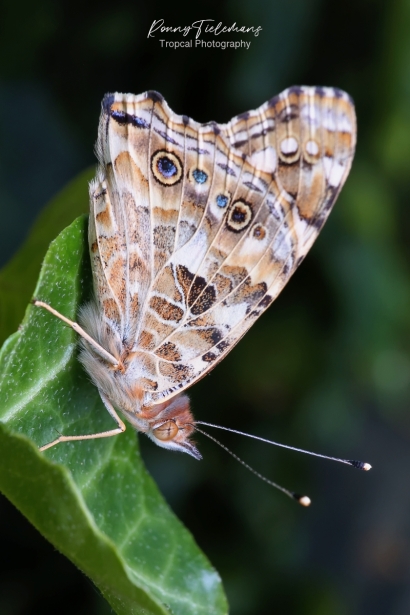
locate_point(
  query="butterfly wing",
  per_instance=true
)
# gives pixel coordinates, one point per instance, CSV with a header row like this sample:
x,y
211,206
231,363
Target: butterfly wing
x,y
203,225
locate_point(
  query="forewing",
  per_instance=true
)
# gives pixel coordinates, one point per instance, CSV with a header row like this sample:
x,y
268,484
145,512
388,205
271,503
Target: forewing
x,y
120,218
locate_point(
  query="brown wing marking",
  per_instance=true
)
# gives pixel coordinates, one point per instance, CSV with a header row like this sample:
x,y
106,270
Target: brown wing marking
x,y
332,119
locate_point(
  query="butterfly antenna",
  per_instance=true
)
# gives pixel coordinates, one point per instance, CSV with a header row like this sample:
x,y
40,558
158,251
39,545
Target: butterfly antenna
x,y
360,465
303,500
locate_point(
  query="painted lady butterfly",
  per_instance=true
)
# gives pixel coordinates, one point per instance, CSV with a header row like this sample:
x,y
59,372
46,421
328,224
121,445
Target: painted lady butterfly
x,y
194,230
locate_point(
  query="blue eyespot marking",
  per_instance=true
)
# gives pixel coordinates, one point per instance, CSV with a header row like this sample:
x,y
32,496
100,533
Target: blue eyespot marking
x,y
221,200
166,167
199,176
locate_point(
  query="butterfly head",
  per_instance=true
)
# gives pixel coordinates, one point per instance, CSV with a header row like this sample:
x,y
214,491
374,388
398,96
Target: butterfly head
x,y
172,425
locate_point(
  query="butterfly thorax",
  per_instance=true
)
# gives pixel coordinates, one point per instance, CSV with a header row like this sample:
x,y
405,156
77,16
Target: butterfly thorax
x,y
170,423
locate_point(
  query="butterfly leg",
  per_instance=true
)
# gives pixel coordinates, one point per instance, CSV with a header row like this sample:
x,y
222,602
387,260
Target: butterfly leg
x,y
74,325
103,434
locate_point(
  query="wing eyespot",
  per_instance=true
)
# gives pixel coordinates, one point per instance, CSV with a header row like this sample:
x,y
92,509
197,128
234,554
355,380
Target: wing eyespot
x,y
222,200
199,176
311,151
239,216
259,232
166,168
289,150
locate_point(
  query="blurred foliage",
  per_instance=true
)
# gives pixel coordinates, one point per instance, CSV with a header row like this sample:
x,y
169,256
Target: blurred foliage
x,y
18,277
326,368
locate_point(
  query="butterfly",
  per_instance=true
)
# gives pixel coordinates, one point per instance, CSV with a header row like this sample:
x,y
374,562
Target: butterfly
x,y
194,230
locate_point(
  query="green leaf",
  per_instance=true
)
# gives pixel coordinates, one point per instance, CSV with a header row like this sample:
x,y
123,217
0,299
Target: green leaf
x,y
18,277
92,499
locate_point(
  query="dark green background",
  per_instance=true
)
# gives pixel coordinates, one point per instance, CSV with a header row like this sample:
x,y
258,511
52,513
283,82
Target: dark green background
x,y
326,368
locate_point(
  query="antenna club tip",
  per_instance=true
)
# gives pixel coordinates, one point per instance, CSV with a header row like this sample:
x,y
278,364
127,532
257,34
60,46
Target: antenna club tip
x,y
360,465
303,500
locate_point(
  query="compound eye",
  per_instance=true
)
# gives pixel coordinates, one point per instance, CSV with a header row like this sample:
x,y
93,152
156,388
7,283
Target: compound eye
x,y
165,432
